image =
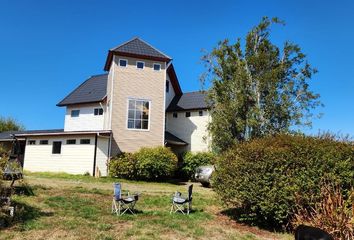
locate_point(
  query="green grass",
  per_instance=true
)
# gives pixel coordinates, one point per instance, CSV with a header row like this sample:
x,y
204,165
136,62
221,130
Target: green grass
x,y
79,207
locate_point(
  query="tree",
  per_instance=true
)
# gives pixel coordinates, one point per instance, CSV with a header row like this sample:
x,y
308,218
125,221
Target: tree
x,y
259,89
9,124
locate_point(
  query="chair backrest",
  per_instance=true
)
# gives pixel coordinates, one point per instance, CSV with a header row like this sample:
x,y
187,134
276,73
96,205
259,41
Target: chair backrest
x,y
117,190
303,232
190,192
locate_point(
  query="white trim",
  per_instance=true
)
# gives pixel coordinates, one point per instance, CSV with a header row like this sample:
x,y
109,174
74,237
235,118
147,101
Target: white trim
x,y
136,64
110,103
62,133
164,122
127,114
153,67
123,60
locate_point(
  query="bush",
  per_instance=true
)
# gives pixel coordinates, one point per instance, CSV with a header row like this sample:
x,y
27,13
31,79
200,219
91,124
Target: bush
x,y
193,160
146,164
263,177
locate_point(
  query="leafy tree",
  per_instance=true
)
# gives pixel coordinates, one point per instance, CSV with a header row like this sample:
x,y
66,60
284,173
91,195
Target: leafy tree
x,y
259,89
9,124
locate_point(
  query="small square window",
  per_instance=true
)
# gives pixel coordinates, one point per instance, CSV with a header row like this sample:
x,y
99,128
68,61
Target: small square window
x,y
157,67
31,142
123,62
71,141
200,113
167,86
56,147
98,111
175,115
85,141
188,114
43,142
140,65
75,113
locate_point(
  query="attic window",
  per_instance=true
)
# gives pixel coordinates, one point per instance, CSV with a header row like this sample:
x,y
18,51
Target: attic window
x,y
188,114
140,65
157,66
43,142
98,111
175,115
31,142
75,113
123,62
200,113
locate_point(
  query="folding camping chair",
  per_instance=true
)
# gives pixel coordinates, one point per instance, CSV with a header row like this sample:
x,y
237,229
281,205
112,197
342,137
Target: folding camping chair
x,y
181,204
121,205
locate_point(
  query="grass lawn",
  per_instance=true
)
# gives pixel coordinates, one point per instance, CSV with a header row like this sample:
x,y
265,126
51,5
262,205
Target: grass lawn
x,y
79,207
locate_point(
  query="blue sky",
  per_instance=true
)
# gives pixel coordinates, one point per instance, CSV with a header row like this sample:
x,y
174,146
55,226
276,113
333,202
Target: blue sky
x,y
48,48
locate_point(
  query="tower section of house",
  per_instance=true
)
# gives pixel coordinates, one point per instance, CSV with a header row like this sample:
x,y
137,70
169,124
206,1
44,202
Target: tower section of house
x,y
136,95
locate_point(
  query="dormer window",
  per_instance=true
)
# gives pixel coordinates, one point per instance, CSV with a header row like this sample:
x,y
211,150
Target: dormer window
x,y
157,66
140,65
75,113
123,62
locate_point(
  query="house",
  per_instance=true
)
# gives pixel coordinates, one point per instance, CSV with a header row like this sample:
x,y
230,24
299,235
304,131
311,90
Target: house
x,y
137,103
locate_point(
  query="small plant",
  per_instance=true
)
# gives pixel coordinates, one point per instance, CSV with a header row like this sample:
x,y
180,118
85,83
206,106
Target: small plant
x,y
193,160
332,213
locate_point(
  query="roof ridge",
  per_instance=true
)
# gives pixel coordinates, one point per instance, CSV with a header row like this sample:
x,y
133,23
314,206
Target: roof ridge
x,y
196,91
122,44
154,48
96,75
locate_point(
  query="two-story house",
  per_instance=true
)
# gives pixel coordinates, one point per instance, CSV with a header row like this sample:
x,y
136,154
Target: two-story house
x,y
137,103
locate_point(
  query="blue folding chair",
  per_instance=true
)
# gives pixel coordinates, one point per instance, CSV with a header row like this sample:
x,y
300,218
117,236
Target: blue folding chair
x,y
121,205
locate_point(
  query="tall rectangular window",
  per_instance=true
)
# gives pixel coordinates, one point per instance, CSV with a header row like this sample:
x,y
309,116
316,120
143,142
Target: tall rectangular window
x,y
75,113
200,113
138,114
167,86
56,147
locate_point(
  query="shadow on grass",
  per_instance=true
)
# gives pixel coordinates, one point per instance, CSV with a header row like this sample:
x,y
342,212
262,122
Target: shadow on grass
x,y
23,213
240,215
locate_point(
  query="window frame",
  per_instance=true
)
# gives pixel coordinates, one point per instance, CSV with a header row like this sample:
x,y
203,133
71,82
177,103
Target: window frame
x,y
167,87
189,114
43,142
82,139
201,113
31,142
98,111
53,145
153,67
175,115
74,110
137,65
127,116
123,59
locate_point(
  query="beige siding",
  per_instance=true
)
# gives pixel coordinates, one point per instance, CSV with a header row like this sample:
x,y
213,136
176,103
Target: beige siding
x,y
192,130
147,84
86,121
74,159
102,155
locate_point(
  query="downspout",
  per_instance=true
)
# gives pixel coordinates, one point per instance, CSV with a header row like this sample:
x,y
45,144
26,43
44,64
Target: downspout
x,y
94,157
164,107
110,111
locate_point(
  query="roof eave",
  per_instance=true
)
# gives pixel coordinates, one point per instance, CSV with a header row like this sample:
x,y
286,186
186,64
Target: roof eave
x,y
186,109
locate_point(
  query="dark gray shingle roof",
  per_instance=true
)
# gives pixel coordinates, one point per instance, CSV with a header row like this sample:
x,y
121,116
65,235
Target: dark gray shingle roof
x,y
92,90
173,140
188,101
7,135
139,47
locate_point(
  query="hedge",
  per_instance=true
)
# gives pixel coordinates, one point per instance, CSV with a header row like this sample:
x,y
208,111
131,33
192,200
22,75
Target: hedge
x,y
264,179
145,164
193,160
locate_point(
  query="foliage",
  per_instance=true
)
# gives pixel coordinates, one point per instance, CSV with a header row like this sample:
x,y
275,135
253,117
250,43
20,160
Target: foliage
x,y
332,214
10,124
264,176
193,160
258,89
147,164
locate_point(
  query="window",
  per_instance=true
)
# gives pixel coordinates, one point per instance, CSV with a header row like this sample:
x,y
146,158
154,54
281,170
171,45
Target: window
x,y
123,62
43,142
157,67
31,142
75,113
85,141
200,113
138,114
140,65
56,147
167,86
71,141
98,111
175,115
188,114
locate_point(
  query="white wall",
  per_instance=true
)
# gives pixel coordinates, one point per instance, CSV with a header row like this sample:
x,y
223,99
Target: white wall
x,y
74,159
102,155
170,94
86,121
192,130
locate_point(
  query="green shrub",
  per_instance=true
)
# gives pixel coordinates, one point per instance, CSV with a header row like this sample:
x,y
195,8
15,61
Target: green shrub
x,y
145,164
266,177
193,160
